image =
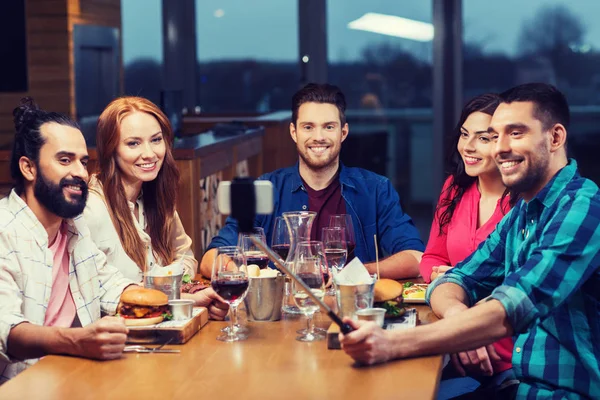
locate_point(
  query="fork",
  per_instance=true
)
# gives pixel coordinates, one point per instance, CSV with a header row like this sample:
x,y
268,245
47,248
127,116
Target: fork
x,y
141,350
144,349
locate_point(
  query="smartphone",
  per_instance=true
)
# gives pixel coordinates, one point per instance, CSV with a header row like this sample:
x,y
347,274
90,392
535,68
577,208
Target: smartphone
x,y
263,192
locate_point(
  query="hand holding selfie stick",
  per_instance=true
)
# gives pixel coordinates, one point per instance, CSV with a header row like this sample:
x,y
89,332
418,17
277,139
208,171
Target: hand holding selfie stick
x,y
345,328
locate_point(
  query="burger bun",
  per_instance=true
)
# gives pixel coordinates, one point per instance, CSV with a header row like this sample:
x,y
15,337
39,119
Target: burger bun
x,y
145,297
387,289
143,321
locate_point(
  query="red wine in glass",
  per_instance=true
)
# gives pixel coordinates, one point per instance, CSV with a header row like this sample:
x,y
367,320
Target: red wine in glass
x,y
351,246
230,289
282,250
325,276
313,281
258,258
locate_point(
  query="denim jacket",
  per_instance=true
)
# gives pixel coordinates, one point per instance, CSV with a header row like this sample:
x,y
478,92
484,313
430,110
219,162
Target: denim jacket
x,y
370,199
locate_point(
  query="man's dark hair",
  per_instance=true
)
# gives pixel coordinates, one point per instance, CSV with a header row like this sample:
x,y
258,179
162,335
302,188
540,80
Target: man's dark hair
x,y
29,118
550,105
319,93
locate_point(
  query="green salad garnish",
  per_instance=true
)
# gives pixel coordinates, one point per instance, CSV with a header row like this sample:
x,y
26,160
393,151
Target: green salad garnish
x,y
186,278
408,284
167,316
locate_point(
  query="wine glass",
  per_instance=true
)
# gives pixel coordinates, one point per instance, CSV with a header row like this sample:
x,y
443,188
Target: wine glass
x,y
334,243
253,254
344,221
308,264
230,281
280,242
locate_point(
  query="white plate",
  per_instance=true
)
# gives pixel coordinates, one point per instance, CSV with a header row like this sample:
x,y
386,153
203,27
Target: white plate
x,y
414,301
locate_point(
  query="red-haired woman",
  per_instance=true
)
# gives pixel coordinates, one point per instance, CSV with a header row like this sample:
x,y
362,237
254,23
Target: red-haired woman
x,y
131,208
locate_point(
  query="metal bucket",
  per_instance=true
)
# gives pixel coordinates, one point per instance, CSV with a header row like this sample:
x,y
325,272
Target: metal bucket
x,y
263,299
351,298
169,285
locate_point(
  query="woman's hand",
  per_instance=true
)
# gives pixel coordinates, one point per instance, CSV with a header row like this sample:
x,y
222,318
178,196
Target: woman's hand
x,y
439,271
217,307
476,362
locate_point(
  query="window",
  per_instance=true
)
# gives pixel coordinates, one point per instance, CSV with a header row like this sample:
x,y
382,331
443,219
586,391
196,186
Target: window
x,y
143,48
380,55
514,42
247,55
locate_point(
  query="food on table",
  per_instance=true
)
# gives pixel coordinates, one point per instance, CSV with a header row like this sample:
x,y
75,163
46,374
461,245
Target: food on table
x,y
388,295
414,291
268,273
193,287
253,271
141,306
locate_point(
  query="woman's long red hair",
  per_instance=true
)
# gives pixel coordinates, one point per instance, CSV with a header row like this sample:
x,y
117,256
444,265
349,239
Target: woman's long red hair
x,y
159,195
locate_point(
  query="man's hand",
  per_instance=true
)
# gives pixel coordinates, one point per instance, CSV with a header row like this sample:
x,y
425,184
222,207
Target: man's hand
x,y
476,362
368,344
217,307
102,340
440,270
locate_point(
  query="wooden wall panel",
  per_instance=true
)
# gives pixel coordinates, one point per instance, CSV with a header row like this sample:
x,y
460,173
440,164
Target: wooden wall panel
x,y
47,61
92,12
50,54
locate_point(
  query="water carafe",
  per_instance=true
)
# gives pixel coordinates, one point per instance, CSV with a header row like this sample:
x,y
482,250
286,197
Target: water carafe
x,y
299,224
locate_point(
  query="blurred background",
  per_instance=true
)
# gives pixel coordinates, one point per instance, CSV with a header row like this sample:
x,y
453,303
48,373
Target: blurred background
x,y
406,68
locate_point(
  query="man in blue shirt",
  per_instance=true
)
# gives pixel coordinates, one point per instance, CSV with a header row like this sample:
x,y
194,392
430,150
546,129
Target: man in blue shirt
x,y
319,182
537,275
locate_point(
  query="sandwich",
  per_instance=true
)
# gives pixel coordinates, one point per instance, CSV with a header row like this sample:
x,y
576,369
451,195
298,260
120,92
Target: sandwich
x,y
141,307
388,295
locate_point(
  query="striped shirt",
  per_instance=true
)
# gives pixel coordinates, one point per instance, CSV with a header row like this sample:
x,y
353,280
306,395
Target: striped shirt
x,y
542,263
26,275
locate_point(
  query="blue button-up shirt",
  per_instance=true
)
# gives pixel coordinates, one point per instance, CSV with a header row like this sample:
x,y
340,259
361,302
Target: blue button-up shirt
x,y
542,263
370,199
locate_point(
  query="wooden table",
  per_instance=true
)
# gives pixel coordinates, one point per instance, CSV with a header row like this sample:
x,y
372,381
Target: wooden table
x,y
271,364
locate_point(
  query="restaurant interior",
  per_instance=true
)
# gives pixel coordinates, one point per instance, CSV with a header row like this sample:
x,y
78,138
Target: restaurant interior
x,y
224,72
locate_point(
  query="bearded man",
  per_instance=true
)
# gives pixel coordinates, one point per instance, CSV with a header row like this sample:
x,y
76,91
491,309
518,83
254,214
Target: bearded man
x,y
54,282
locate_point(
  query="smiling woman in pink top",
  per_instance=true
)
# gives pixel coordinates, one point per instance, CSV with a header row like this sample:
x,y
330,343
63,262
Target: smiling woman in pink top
x,y
472,202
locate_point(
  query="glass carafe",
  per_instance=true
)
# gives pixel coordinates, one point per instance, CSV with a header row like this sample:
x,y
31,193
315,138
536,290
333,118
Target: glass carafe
x,y
299,224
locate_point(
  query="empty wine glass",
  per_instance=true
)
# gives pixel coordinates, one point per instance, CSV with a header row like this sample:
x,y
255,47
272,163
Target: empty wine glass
x,y
334,243
308,265
344,221
230,281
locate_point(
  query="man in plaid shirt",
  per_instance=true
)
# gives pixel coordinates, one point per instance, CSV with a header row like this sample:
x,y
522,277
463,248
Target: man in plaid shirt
x,y
54,282
536,277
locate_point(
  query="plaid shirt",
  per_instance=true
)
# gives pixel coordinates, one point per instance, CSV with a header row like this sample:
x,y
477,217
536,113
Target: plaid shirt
x,y
26,275
542,263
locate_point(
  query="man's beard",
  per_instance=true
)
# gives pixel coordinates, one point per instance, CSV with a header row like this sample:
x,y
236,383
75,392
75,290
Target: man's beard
x,y
53,198
534,175
321,163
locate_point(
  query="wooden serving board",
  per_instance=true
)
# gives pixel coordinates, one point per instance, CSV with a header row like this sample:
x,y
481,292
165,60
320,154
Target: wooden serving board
x,y
177,332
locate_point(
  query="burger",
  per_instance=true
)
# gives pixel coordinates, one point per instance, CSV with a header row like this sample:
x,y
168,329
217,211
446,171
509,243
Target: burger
x,y
388,295
141,307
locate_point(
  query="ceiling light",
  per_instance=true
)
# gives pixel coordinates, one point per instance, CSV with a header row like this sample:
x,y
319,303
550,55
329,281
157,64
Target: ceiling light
x,y
392,25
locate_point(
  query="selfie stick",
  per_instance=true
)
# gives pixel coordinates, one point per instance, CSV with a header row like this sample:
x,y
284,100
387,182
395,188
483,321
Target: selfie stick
x,y
345,328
